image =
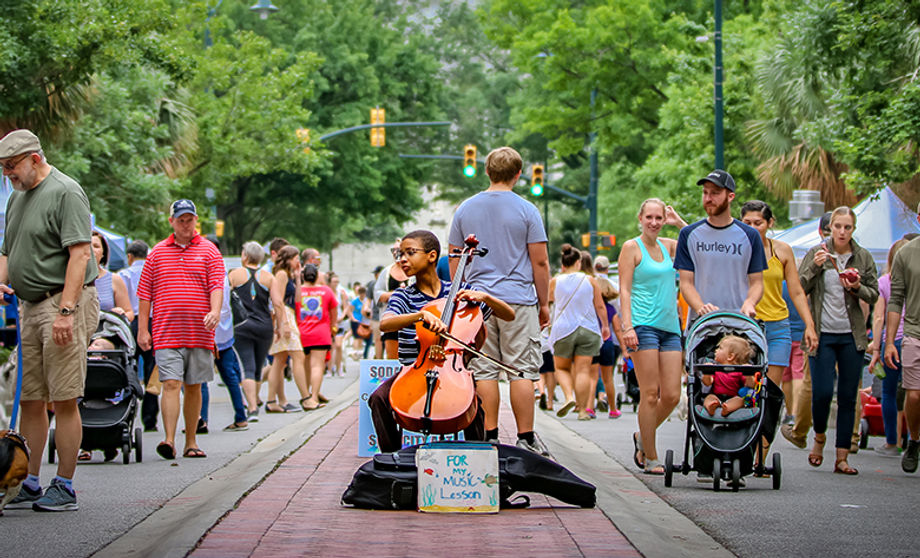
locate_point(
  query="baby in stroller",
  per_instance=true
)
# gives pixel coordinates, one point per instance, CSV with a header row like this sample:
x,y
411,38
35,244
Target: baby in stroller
x,y
730,390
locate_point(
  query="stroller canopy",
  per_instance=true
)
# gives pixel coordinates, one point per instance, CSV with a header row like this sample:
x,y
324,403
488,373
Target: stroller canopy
x,y
718,324
115,328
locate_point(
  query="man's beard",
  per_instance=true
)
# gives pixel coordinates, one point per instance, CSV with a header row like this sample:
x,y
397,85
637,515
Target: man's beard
x,y
717,210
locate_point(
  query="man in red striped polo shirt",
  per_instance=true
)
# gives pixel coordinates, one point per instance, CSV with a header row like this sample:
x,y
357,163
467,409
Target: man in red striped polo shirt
x,y
183,279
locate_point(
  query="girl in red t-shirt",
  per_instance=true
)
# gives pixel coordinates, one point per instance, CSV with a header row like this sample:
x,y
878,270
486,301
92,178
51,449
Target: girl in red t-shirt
x,y
318,316
728,387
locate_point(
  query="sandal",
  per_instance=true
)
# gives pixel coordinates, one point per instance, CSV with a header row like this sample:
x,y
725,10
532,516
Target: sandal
x,y
85,455
313,408
322,398
653,467
564,410
637,445
277,409
194,452
166,450
816,459
846,469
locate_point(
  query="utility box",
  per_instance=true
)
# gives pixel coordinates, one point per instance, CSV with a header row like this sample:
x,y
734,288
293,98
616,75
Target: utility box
x,y
805,205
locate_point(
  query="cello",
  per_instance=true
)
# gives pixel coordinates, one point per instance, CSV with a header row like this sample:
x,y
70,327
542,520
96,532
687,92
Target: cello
x,y
436,394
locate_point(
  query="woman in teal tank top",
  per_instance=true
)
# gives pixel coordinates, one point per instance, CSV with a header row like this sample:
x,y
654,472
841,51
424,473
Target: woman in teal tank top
x,y
651,330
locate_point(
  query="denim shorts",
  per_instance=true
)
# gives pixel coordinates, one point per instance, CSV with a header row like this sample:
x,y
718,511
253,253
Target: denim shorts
x,y
779,342
654,339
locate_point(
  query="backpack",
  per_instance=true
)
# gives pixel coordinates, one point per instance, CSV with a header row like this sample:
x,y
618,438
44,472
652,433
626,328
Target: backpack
x,y
390,481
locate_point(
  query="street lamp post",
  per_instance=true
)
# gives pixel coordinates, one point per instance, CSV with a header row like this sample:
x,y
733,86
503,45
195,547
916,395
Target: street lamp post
x,y
591,202
264,8
718,78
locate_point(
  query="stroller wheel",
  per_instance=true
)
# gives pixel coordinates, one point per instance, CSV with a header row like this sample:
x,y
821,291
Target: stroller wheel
x,y
619,400
138,444
736,474
777,471
668,468
863,433
52,447
716,473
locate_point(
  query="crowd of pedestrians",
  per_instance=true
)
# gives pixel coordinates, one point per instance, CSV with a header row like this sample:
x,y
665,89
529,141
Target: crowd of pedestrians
x,y
268,320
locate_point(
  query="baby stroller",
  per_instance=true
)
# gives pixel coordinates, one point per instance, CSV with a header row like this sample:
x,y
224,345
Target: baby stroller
x,y
110,397
631,397
725,447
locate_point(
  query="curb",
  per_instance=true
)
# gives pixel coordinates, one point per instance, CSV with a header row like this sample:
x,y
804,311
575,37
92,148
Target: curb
x,y
175,529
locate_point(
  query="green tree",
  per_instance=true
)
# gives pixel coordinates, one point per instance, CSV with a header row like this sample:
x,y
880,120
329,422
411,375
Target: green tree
x,y
50,51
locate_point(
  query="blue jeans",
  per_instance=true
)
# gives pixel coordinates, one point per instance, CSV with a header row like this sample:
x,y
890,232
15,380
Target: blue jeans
x,y
889,398
838,356
229,368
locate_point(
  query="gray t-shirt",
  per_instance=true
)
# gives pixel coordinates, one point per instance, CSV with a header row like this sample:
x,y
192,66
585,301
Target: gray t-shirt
x,y
721,259
834,318
505,223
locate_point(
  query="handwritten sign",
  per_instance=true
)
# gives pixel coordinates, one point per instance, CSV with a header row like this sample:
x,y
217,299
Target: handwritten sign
x,y
374,373
457,478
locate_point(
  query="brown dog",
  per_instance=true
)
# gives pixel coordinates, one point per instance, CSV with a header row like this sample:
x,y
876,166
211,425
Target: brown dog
x,y
14,465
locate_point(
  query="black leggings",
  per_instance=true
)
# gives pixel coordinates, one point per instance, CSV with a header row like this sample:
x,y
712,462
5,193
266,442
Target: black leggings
x,y
252,353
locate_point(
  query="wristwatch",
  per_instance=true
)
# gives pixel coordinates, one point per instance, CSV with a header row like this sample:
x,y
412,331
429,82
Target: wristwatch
x,y
65,311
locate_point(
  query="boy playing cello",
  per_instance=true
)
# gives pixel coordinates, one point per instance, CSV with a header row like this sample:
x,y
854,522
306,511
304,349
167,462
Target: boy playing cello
x,y
418,257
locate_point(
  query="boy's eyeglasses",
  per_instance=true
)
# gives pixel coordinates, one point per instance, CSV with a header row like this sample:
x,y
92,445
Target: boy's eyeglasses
x,y
409,252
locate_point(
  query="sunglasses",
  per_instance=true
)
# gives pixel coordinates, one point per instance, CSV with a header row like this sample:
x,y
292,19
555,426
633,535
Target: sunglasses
x,y
9,166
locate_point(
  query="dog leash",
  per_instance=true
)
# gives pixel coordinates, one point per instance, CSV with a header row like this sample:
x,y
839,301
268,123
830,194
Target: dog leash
x,y
10,299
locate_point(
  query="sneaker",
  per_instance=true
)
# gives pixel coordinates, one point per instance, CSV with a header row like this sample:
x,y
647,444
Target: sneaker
x,y
602,406
25,499
614,413
789,419
253,416
56,498
888,451
909,459
537,446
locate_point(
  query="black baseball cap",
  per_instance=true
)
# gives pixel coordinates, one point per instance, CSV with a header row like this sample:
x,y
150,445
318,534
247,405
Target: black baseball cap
x,y
825,223
720,178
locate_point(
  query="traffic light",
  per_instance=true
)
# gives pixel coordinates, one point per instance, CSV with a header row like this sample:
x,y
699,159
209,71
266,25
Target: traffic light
x,y
606,240
536,180
586,240
303,134
469,160
378,135
219,228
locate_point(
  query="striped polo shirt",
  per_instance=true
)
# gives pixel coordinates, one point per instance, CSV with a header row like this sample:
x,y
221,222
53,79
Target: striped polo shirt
x,y
178,281
408,300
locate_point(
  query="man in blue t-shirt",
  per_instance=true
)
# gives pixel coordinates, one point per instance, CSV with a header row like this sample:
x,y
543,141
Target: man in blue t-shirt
x,y
516,270
720,259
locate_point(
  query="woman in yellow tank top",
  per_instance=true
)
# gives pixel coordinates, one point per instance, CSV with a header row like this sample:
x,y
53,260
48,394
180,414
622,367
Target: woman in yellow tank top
x,y
772,308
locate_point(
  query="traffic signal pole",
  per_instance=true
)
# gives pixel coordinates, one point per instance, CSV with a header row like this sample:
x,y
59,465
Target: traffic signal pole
x,y
337,133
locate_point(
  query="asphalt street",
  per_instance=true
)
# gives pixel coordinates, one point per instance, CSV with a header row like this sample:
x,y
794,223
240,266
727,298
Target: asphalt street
x,y
815,513
113,497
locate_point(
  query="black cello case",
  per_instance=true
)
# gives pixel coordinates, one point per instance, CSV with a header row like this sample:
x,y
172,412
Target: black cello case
x,y
390,480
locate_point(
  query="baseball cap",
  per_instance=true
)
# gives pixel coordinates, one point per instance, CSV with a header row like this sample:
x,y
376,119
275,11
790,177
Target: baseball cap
x,y
377,269
601,262
825,223
720,178
181,207
18,142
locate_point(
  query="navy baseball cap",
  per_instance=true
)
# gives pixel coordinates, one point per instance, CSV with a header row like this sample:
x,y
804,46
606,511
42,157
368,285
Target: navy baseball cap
x,y
181,207
720,178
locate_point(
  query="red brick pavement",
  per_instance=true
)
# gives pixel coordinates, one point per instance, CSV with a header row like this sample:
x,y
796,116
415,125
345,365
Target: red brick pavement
x,y
296,511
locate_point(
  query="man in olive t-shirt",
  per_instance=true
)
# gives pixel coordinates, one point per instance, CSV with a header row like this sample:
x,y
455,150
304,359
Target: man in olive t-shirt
x,y
46,258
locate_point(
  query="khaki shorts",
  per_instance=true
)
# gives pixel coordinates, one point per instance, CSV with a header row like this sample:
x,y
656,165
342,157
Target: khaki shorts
x,y
516,343
51,372
581,342
188,365
910,363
